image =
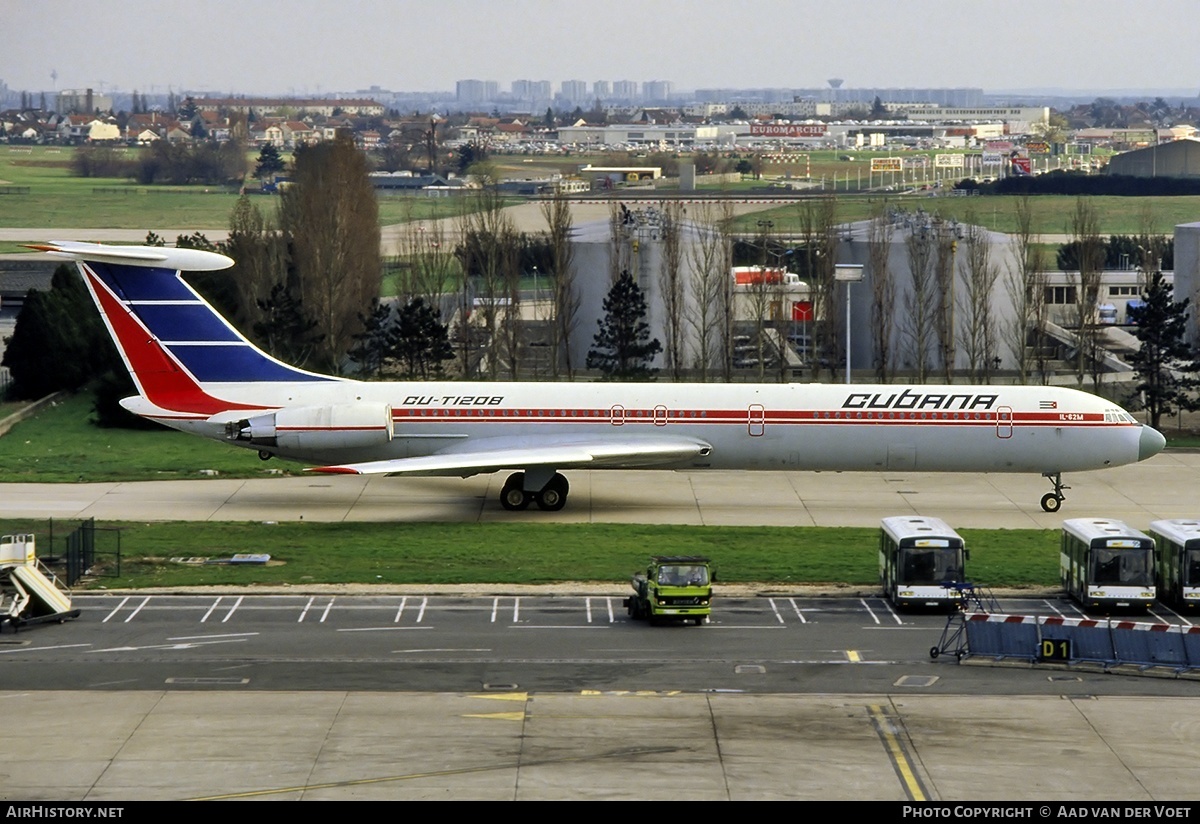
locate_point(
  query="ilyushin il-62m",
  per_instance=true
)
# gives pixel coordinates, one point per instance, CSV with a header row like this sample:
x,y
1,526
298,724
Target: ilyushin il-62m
x,y
197,373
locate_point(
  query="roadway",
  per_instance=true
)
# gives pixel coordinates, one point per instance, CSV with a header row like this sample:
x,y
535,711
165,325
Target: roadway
x,y
1163,487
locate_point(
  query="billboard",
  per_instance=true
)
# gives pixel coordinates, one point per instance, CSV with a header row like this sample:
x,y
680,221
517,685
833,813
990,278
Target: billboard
x,y
887,164
788,129
948,161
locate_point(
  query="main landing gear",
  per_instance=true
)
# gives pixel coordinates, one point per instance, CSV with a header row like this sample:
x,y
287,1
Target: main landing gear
x,y
522,489
1051,501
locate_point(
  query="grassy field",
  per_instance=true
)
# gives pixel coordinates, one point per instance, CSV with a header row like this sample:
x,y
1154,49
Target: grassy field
x,y
59,445
57,199
1051,213
365,553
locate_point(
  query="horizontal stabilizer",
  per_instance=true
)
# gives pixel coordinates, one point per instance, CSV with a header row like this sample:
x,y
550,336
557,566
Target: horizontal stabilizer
x,y
188,260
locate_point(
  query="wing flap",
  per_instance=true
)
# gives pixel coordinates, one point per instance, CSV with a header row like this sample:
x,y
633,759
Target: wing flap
x,y
511,455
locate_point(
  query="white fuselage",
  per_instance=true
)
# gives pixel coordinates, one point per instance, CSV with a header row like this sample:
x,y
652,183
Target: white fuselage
x,y
759,427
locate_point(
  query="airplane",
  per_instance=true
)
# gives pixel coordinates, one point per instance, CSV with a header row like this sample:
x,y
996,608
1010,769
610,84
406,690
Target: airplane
x,y
196,373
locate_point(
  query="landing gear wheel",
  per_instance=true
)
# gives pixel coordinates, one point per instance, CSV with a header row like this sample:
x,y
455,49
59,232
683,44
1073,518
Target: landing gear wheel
x,y
553,496
513,496
934,652
1051,501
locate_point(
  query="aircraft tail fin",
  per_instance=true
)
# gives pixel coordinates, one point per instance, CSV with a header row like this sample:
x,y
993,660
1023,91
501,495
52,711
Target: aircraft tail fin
x,y
183,355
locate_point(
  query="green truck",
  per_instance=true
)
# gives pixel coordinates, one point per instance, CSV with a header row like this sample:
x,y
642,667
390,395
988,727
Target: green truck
x,y
673,588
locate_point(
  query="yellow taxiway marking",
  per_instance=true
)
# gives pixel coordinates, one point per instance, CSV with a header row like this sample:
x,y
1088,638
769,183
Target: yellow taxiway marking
x,y
505,696
853,657
496,716
893,744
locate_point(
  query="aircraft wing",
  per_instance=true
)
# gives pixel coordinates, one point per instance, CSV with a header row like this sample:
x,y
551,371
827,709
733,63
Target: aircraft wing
x,y
491,454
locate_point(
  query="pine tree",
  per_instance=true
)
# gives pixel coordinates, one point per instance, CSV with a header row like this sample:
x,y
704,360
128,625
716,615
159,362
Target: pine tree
x,y
270,162
422,340
622,348
1165,364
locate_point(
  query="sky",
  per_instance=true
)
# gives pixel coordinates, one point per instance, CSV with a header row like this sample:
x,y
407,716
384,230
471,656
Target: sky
x,y
310,47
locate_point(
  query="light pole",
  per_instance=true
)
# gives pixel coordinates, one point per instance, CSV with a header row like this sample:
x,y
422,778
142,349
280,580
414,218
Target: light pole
x,y
849,273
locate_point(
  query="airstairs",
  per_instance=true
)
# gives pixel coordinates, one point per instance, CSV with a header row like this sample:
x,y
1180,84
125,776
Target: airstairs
x,y
29,591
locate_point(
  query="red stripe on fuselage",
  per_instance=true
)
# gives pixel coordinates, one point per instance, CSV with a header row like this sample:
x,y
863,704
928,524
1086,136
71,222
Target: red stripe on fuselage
x,y
161,379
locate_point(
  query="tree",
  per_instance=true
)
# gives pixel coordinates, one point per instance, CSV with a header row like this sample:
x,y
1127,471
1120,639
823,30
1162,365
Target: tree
x,y
671,286
1165,365
977,315
1025,283
1085,232
329,218
376,343
559,223
58,342
270,162
422,341
711,288
285,330
622,349
883,294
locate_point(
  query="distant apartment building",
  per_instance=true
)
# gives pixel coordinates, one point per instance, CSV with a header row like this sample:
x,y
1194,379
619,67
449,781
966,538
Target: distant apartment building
x,y
601,90
625,90
531,91
657,90
476,91
574,91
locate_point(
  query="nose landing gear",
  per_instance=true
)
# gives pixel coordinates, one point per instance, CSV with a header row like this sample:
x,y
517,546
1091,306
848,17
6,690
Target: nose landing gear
x,y
1051,501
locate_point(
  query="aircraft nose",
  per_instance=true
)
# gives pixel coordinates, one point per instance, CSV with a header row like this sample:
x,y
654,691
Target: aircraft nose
x,y
1150,443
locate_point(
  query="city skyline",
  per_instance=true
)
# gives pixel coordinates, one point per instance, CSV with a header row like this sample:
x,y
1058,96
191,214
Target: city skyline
x,y
269,47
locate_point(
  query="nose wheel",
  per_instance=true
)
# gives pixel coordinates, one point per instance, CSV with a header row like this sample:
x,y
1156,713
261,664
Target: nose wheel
x,y
1052,501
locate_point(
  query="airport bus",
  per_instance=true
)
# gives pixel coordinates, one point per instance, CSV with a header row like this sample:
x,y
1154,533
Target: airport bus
x,y
1105,564
1177,561
919,558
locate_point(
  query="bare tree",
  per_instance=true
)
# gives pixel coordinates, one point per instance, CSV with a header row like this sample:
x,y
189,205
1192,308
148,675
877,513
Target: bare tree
x,y
330,218
818,230
883,294
946,247
1151,247
259,256
486,257
711,288
977,319
559,222
920,303
1085,231
1025,283
428,268
671,287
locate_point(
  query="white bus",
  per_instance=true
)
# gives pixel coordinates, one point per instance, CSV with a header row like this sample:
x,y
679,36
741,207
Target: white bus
x,y
919,558
1106,564
1177,561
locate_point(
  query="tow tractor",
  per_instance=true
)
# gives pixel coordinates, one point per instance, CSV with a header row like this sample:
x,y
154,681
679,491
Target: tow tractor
x,y
673,588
